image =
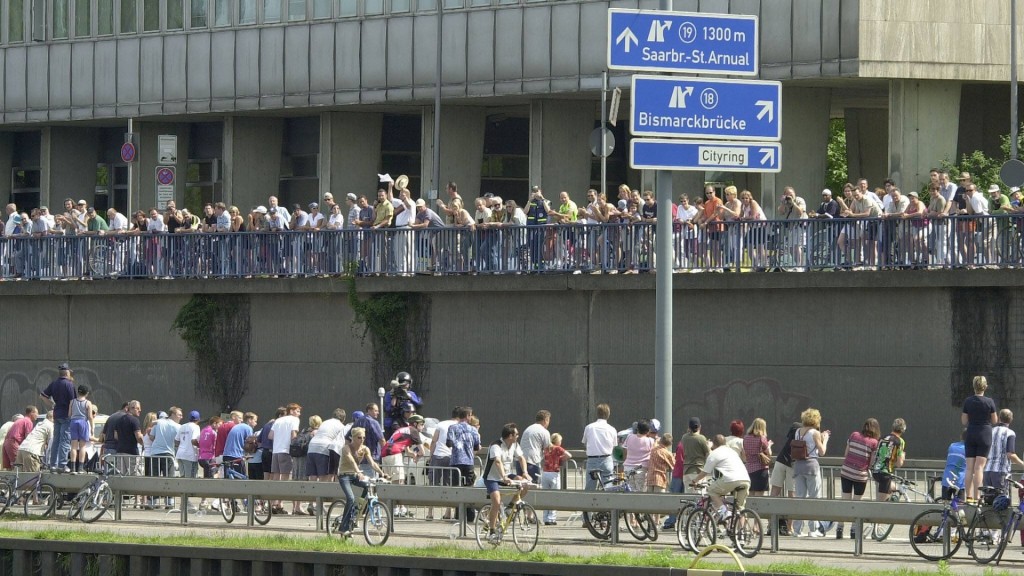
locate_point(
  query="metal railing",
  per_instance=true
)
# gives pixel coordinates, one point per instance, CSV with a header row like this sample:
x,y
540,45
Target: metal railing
x,y
794,245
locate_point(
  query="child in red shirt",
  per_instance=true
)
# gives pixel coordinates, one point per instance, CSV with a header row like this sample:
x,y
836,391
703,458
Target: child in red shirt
x,y
554,456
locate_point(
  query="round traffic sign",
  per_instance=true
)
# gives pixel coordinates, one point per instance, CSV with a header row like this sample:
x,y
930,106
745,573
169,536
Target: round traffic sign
x,y
1012,173
128,152
595,142
165,175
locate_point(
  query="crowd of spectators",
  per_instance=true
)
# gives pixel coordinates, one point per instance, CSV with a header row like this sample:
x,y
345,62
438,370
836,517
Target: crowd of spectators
x,y
948,225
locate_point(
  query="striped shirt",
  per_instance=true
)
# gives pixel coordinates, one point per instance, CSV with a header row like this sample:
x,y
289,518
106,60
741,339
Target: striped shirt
x,y
858,457
1003,444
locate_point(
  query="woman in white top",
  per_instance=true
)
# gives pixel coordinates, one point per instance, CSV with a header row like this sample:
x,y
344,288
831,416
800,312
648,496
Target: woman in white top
x,y
685,230
755,232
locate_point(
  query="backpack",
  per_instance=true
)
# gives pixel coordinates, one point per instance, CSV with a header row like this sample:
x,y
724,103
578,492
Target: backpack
x,y
490,461
798,448
252,444
299,446
883,455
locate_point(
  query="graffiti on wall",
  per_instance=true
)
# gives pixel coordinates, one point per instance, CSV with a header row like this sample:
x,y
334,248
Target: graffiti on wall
x,y
745,400
20,389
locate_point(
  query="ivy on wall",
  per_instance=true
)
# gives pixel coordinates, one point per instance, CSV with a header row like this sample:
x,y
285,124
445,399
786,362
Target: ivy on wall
x,y
216,330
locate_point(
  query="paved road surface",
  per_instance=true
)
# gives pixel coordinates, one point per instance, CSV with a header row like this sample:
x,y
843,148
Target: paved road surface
x,y
566,538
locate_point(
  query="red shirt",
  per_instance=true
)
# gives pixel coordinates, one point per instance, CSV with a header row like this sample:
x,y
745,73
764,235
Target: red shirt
x,y
553,459
677,470
19,430
222,437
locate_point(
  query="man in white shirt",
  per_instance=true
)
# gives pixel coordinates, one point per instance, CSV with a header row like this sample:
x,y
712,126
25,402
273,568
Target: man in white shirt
x,y
733,474
321,461
32,448
535,441
116,221
281,210
599,438
187,439
502,458
281,433
405,213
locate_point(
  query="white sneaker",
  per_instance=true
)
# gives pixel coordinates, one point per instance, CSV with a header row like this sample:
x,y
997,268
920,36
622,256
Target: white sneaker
x,y
817,534
800,535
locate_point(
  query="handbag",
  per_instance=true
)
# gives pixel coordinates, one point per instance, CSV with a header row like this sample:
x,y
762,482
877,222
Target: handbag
x,y
765,458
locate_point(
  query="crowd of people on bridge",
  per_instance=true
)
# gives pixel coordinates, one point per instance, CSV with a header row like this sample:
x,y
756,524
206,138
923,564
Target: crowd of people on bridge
x,y
949,226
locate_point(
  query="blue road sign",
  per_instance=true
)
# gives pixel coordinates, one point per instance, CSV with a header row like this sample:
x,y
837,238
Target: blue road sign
x,y
682,42
651,154
699,108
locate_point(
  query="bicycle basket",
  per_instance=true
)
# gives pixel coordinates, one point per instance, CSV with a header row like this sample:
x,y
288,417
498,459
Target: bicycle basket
x,y
617,488
1000,503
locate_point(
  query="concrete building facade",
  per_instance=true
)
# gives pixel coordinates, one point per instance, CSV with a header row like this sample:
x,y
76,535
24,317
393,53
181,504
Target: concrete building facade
x,y
298,97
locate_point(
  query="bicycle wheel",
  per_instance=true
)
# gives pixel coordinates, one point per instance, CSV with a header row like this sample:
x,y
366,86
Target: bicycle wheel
x,y
334,517
985,538
525,528
96,503
747,533
6,495
681,517
633,526
935,534
481,529
227,509
40,502
599,524
882,531
701,529
261,511
377,523
648,526
75,506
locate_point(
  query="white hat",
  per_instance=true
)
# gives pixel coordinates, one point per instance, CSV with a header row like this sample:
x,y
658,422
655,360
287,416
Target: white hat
x,y
826,191
421,202
993,188
351,196
261,209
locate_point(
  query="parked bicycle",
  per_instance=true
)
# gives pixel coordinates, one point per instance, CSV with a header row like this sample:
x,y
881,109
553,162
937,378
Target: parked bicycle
x,y
938,533
92,502
375,516
37,498
743,527
229,507
687,507
995,526
517,518
879,532
640,525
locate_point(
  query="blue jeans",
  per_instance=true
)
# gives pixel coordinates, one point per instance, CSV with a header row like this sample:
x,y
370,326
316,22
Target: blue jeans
x,y
346,481
62,443
602,464
675,487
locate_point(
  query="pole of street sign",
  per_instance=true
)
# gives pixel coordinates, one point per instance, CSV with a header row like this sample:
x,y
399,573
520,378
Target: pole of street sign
x,y
663,295
131,171
437,103
1013,79
604,135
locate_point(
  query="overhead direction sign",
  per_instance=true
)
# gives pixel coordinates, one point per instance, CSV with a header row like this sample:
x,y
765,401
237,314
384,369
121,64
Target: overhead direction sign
x,y
654,154
659,41
704,108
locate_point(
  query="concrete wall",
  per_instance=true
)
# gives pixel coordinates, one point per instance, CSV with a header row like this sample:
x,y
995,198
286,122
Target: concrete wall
x,y
560,146
349,152
69,156
745,346
923,120
252,159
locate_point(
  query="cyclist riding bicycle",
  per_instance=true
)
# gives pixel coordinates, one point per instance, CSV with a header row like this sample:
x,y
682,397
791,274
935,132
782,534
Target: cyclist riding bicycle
x,y
502,457
733,478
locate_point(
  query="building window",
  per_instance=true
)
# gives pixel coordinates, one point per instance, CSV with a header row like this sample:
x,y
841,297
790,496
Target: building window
x,y
104,17
16,21
296,10
150,15
480,3
60,19
348,8
83,18
175,14
222,13
322,8
129,16
454,4
198,14
374,7
426,5
247,12
398,6
271,11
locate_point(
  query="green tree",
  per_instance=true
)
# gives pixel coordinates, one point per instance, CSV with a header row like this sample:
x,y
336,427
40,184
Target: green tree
x,y
836,167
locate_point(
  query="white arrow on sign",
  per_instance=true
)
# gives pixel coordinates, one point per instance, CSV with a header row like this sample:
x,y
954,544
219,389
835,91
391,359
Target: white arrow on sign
x,y
769,156
627,36
679,96
767,107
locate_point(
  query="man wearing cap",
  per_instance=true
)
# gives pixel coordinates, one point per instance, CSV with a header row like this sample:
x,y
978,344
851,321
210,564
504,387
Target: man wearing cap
x,y
160,462
974,205
695,451
59,395
328,203
187,440
599,438
281,210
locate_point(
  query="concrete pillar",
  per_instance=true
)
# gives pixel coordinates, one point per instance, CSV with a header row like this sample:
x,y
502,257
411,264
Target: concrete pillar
x,y
144,185
805,117
462,149
866,157
68,158
349,152
924,117
6,164
252,159
559,146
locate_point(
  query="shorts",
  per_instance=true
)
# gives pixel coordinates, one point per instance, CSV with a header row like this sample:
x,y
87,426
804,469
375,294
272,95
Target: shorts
x,y
318,465
29,462
394,466
759,480
281,464
440,471
853,486
782,477
80,430
720,487
994,479
884,480
977,441
492,486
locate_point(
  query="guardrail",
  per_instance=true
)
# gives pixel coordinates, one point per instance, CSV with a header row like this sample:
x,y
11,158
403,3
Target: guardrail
x,y
622,247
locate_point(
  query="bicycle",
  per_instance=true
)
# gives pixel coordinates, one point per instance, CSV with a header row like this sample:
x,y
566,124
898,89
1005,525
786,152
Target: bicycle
x,y
38,498
879,532
640,525
229,506
93,501
686,508
376,516
518,518
938,533
742,526
993,528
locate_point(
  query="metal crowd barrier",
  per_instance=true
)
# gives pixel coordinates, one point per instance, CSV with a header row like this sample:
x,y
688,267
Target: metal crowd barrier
x,y
797,245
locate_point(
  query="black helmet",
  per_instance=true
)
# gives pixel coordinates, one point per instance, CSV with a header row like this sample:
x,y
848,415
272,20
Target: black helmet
x,y
404,378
